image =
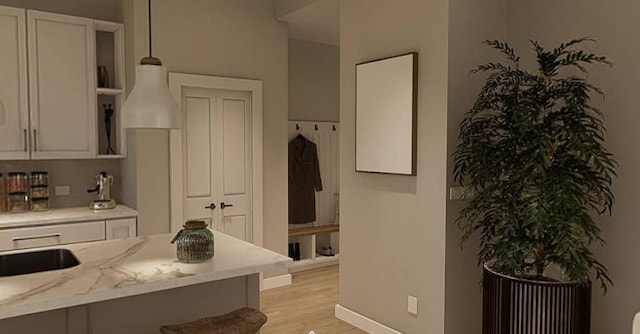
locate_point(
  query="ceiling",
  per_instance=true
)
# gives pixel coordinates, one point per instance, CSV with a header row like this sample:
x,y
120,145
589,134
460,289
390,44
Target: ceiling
x,y
318,22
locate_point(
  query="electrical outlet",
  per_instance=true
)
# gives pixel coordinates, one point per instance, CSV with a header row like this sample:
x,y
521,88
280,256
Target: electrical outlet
x,y
63,190
412,305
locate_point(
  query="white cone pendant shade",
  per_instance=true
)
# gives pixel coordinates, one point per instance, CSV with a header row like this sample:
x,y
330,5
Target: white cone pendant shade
x,y
150,104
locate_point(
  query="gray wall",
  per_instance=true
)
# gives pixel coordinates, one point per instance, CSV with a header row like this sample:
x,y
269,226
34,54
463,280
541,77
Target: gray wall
x,y
78,174
285,7
233,38
470,22
393,227
615,25
314,81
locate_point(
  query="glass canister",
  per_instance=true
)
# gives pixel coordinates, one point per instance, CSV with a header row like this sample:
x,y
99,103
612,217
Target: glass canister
x,y
18,202
17,183
194,242
39,191
39,179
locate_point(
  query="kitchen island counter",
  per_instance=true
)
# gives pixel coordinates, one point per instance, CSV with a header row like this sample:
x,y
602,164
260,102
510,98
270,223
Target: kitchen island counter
x,y
115,269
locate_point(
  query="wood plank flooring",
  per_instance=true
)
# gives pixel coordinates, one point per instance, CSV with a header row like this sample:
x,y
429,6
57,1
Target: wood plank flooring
x,y
306,305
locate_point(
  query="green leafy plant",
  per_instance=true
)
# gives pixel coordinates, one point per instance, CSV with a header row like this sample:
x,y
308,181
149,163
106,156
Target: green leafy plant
x,y
531,150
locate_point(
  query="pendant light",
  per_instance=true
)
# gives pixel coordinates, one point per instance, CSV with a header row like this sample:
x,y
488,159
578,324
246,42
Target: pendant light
x,y
150,104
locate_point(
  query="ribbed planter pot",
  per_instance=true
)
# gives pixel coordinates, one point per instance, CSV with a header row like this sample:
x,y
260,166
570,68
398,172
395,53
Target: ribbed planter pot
x,y
521,306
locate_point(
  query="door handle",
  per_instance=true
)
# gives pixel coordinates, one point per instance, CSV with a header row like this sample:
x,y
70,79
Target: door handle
x,y
24,133
223,205
35,141
212,206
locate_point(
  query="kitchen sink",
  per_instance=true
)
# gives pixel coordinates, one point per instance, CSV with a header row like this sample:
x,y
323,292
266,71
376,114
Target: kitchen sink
x,y
35,262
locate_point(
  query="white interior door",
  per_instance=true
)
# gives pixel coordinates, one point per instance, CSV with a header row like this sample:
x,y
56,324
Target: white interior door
x,y
217,159
14,122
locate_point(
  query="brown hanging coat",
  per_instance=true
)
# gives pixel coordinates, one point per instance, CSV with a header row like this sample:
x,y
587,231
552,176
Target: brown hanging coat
x,y
304,180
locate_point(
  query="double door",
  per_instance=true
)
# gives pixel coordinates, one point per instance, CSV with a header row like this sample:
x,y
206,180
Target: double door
x,y
216,130
47,85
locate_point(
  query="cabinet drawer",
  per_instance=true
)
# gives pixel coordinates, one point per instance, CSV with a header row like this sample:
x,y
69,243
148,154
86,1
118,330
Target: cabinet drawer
x,y
43,236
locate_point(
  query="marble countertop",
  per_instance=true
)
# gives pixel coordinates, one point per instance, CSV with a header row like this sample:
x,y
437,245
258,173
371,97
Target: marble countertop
x,y
126,267
66,215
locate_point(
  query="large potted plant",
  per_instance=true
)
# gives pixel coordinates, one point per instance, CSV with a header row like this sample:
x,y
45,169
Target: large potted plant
x,y
531,156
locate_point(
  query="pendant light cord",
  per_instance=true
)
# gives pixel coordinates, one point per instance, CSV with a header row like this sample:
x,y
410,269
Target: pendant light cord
x,y
150,53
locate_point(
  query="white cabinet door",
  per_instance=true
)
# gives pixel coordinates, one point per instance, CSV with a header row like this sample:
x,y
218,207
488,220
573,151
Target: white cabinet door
x,y
14,118
121,228
62,86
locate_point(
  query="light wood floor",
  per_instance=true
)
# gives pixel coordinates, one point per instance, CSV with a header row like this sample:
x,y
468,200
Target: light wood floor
x,y
306,305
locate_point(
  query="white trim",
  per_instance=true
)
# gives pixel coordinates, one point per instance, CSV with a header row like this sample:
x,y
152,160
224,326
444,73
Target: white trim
x,y
275,282
176,82
362,322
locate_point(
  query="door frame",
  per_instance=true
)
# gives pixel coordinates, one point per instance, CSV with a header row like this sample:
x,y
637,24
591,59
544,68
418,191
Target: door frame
x,y
178,81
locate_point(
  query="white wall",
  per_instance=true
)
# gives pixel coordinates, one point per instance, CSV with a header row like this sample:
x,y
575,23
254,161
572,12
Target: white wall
x,y
615,25
314,81
393,227
233,38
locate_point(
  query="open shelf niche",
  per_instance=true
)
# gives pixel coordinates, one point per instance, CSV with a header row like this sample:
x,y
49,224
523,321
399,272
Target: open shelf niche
x,y
110,87
311,239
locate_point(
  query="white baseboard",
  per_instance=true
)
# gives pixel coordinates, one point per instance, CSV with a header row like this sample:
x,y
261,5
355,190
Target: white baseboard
x,y
275,282
362,322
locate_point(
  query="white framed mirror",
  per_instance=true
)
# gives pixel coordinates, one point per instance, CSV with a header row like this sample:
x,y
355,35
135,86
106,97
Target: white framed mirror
x,y
386,113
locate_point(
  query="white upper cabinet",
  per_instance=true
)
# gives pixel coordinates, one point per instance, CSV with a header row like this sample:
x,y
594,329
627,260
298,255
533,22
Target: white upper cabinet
x,y
62,86
50,105
14,118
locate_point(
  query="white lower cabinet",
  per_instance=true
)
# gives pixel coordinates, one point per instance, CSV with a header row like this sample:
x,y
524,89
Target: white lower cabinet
x,y
51,235
121,228
69,233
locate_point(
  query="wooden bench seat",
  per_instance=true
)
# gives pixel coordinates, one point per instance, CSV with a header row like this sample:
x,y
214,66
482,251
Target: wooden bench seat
x,y
298,232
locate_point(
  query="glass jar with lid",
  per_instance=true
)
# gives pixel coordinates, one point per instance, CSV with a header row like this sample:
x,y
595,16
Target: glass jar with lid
x,y
39,179
17,183
194,243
